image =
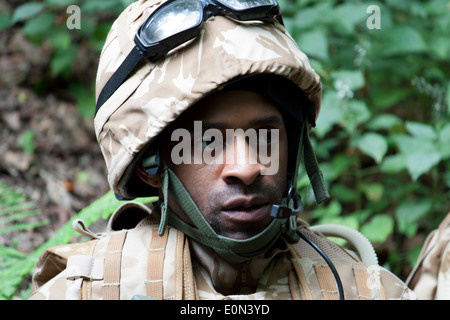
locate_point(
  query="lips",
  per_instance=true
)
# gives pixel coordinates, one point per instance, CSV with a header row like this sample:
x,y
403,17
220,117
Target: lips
x,y
247,209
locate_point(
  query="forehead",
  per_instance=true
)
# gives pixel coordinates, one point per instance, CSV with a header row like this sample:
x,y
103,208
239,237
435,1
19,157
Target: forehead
x,y
234,108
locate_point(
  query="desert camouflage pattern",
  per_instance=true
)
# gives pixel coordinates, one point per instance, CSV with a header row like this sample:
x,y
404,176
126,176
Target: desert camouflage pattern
x,y
430,278
123,264
158,92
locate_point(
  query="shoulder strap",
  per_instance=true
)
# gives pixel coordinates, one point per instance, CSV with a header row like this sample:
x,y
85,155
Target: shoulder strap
x,y
113,259
155,265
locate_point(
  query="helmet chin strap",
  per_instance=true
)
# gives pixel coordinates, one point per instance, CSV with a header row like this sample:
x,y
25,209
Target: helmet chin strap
x,y
315,176
234,250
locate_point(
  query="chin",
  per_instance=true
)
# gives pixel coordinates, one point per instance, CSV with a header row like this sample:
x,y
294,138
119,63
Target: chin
x,y
237,235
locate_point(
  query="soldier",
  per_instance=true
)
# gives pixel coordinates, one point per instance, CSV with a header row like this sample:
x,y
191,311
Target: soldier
x,y
208,104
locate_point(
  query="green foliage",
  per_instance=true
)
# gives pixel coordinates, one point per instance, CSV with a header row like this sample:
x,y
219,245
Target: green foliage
x,y
16,211
17,214
15,266
26,141
383,134
45,23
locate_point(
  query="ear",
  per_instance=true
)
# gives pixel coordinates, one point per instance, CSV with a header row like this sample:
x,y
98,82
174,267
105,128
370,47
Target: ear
x,y
144,176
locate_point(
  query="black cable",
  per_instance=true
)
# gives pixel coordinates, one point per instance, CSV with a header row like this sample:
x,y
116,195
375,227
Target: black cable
x,y
327,260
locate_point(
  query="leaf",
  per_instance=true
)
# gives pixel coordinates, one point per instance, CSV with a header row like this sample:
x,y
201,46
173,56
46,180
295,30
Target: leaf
x,y
409,212
444,141
379,228
402,40
341,163
62,60
383,98
384,122
409,145
59,3
311,17
420,163
101,5
344,193
5,20
27,142
315,44
330,113
441,47
421,154
373,145
373,191
348,15
355,113
394,163
421,130
26,11
39,25
61,40
332,210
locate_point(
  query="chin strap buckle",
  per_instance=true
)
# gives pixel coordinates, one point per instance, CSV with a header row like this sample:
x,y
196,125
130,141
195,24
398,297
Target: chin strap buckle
x,y
294,207
285,212
280,212
289,213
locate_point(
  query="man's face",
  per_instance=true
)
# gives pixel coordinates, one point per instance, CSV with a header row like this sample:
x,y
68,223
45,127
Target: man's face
x,y
235,191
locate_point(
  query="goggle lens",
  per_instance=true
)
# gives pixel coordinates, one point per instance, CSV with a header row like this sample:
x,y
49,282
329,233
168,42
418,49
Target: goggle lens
x,y
246,4
176,17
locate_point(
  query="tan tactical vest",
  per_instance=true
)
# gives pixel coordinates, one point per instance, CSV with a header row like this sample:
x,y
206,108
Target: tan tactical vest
x,y
137,262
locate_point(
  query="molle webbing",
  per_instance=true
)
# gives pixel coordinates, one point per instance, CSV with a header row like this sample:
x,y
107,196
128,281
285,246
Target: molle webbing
x,y
155,265
113,259
310,279
160,258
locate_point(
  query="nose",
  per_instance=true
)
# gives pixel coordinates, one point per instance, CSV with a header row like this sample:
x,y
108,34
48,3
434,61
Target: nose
x,y
241,163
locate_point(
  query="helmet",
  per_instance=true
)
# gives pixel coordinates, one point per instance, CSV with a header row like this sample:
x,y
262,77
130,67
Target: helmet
x,y
226,54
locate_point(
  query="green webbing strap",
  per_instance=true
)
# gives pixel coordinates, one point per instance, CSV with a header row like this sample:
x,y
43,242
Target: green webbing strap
x,y
231,249
313,170
165,204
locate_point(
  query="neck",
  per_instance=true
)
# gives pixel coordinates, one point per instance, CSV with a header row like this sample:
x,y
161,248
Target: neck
x,y
230,278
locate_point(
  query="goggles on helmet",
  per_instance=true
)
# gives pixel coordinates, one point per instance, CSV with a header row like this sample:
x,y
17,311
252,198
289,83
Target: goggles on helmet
x,y
178,21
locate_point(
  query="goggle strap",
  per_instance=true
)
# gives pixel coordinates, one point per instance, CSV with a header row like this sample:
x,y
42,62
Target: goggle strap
x,y
118,77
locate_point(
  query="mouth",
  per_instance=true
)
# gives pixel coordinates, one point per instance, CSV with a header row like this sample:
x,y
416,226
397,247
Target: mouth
x,y
247,209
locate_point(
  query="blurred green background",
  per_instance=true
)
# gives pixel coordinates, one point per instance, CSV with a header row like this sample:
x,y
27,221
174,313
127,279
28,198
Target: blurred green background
x,y
382,138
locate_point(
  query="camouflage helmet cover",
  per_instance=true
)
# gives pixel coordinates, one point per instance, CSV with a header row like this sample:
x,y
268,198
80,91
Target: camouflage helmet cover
x,y
157,93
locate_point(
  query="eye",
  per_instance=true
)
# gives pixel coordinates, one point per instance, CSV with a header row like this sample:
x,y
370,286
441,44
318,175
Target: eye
x,y
206,141
265,136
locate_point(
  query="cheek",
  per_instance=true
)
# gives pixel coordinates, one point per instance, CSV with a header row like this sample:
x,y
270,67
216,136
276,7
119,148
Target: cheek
x,y
198,183
198,180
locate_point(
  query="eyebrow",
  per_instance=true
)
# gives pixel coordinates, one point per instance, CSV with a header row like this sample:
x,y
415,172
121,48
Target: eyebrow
x,y
257,122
